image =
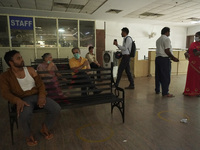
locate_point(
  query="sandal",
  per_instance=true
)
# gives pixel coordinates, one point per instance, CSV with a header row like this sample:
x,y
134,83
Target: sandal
x,y
30,141
169,95
47,135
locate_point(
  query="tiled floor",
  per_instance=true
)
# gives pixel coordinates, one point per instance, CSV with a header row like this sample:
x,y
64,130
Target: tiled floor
x,y
151,123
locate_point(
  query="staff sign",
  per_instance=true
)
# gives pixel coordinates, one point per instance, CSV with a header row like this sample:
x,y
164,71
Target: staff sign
x,y
22,23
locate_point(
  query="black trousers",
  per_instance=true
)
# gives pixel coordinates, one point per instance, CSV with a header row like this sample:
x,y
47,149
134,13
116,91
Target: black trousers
x,y
87,80
125,65
93,65
162,74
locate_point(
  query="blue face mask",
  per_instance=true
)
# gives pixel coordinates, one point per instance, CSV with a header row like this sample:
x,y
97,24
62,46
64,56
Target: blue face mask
x,y
77,55
197,39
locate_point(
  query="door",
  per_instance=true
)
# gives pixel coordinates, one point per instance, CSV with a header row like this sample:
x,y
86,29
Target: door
x,y
189,41
100,45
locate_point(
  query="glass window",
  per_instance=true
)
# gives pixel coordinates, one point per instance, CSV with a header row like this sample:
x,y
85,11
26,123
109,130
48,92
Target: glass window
x,y
68,33
4,38
46,35
87,33
20,35
22,38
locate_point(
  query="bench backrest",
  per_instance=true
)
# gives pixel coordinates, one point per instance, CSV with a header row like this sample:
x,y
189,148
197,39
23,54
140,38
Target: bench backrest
x,y
55,60
59,66
67,84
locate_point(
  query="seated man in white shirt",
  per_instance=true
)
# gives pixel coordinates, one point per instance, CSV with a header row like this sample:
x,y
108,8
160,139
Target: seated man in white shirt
x,y
92,60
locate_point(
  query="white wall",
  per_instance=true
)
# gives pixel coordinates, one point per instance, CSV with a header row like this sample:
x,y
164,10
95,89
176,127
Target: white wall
x,y
140,33
2,53
192,30
100,25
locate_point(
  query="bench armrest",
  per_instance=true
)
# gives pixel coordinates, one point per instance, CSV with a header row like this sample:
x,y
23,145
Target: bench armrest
x,y
117,92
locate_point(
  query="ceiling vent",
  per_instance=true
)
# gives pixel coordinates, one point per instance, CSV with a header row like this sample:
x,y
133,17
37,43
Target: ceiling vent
x,y
113,11
64,5
149,14
194,19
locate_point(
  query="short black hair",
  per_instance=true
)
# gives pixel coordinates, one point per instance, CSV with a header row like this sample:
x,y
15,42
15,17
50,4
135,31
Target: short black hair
x,y
90,47
45,55
75,48
8,56
126,30
198,33
165,30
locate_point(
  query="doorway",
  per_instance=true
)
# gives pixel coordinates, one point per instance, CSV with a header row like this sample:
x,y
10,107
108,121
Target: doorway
x,y
100,45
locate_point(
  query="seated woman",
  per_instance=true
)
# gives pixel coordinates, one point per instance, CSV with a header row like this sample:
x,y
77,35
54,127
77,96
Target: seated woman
x,y
53,84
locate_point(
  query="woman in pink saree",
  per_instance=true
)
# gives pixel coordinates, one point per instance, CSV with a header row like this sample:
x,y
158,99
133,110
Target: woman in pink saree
x,y
192,87
52,83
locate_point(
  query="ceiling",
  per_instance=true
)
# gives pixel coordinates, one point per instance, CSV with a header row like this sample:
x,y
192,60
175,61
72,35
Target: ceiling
x,y
159,12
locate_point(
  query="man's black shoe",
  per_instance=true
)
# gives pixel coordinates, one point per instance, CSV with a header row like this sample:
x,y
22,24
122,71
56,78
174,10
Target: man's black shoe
x,y
99,80
130,87
97,92
84,94
114,85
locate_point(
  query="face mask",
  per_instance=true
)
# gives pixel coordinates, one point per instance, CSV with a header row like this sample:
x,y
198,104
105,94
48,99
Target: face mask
x,y
77,55
48,62
197,39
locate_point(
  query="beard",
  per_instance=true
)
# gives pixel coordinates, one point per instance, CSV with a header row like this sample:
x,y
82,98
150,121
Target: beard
x,y
21,65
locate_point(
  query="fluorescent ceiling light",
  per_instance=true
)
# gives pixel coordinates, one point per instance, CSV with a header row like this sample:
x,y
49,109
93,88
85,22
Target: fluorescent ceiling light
x,y
61,30
195,22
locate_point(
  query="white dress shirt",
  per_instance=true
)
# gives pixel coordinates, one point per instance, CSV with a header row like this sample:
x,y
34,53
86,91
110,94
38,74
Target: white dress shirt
x,y
163,43
91,57
126,47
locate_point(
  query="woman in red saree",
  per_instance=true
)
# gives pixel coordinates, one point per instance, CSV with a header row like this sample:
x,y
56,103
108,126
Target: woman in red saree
x,y
192,87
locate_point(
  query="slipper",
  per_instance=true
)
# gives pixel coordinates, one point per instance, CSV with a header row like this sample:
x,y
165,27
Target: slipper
x,y
47,135
169,95
31,142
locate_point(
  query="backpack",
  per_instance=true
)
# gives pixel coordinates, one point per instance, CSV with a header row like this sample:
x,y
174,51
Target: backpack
x,y
133,48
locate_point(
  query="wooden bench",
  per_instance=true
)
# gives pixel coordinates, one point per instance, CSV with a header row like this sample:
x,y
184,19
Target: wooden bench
x,y
75,98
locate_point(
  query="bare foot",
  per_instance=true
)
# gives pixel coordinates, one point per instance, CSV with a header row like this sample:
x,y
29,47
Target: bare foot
x,y
169,95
